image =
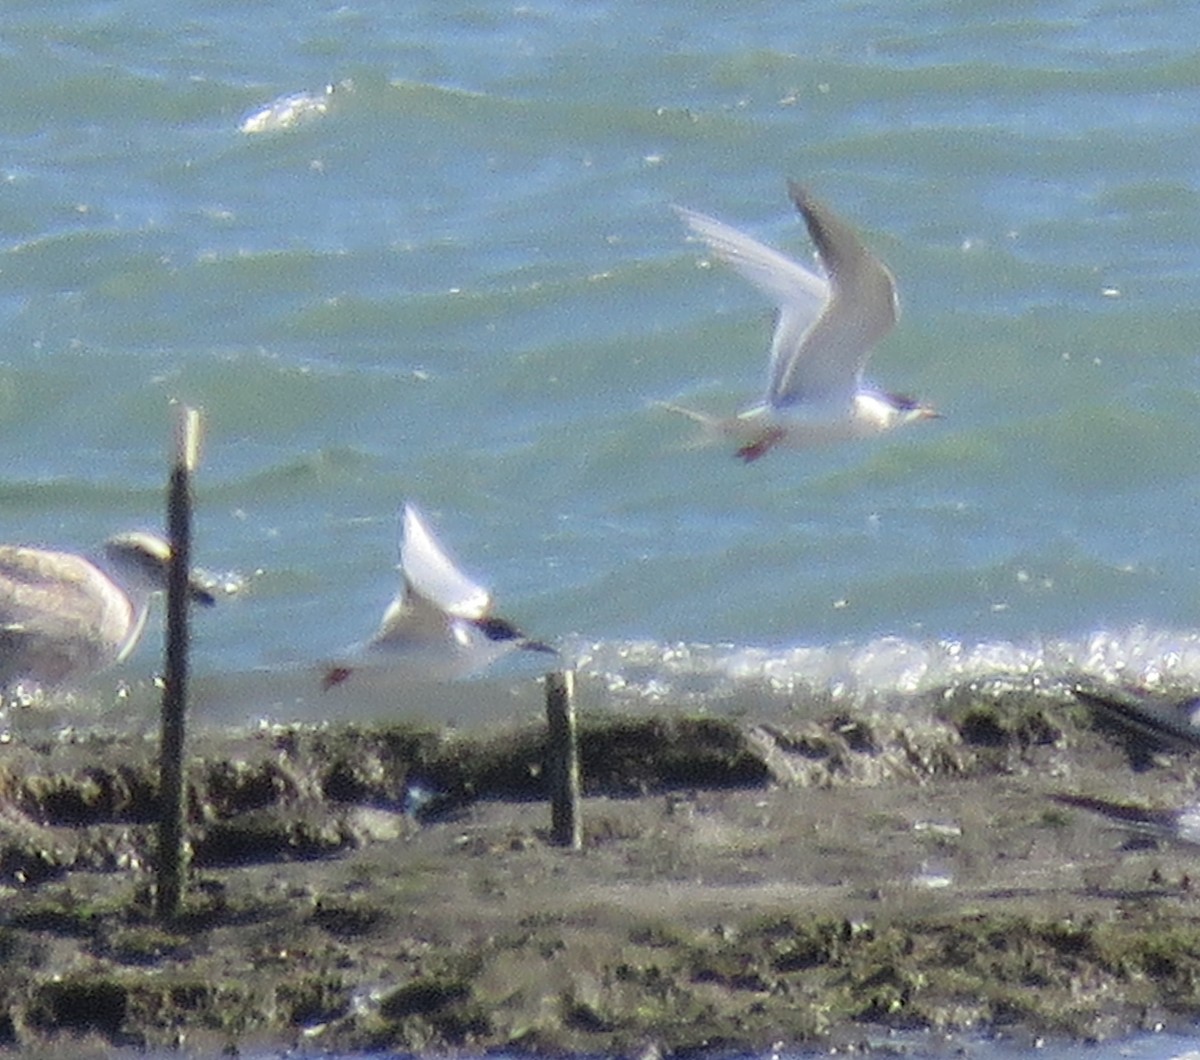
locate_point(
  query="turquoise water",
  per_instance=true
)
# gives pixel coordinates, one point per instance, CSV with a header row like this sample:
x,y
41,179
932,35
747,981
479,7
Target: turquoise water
x,y
462,284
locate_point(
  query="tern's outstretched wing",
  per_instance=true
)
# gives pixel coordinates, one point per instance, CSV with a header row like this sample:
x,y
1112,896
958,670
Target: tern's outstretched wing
x,y
431,574
826,362
799,292
785,280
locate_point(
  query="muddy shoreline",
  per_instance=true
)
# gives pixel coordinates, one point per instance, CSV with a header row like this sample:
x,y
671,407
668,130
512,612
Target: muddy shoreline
x,y
743,883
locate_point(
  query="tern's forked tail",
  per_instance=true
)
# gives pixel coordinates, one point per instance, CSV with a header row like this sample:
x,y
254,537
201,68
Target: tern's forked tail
x,y
713,428
755,439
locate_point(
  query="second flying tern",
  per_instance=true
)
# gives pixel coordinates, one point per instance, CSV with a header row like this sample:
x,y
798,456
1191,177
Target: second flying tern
x,y
440,626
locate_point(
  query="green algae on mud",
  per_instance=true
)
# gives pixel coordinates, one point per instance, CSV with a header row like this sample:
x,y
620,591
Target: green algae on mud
x,y
743,883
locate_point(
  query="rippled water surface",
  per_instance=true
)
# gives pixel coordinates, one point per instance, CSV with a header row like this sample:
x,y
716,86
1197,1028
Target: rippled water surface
x,y
456,278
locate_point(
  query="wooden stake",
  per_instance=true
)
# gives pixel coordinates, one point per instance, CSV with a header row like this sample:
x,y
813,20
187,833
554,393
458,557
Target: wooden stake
x,y
169,890
562,760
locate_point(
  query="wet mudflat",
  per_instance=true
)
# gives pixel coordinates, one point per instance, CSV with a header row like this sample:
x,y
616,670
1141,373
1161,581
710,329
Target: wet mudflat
x,y
747,882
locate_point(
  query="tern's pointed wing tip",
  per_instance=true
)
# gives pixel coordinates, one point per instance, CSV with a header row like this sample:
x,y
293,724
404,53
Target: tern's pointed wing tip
x,y
694,219
801,197
798,193
411,515
430,572
816,215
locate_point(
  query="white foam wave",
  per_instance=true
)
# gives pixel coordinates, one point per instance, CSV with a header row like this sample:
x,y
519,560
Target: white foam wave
x,y
886,668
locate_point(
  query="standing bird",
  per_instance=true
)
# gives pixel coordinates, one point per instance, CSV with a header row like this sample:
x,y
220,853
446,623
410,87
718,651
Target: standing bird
x,y
440,625
824,333
1147,720
1180,825
64,617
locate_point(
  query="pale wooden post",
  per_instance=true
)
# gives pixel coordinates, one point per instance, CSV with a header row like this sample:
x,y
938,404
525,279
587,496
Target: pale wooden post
x,y
562,760
169,890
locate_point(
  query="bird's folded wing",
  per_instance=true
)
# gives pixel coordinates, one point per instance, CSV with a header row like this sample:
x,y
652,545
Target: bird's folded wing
x,y
56,595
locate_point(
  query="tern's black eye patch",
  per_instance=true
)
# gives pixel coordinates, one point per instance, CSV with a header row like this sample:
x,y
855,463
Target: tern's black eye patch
x,y
498,629
904,402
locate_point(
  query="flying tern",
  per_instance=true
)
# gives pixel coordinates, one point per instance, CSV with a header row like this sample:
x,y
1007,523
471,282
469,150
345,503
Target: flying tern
x,y
440,625
825,330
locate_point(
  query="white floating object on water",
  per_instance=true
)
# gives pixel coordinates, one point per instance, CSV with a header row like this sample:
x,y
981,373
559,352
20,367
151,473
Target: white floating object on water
x,y
290,111
64,617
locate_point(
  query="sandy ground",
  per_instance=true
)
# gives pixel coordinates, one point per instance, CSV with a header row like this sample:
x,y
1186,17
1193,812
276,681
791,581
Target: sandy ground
x,y
809,880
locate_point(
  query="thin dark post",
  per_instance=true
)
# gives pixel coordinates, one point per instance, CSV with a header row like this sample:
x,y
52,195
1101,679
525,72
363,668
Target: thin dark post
x,y
562,760
169,889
